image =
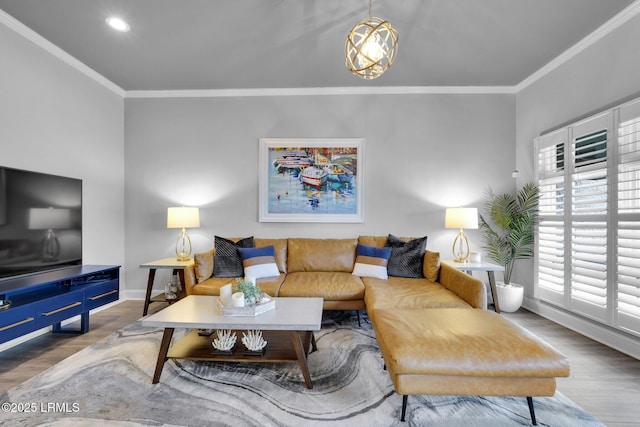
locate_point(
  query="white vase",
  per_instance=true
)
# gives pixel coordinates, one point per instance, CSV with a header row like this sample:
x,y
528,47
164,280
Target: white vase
x,y
510,296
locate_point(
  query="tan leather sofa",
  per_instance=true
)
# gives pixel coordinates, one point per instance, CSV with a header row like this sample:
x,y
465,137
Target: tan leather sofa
x,y
323,268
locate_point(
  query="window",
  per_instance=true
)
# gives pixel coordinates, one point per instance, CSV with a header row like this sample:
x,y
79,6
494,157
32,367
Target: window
x,y
628,221
588,242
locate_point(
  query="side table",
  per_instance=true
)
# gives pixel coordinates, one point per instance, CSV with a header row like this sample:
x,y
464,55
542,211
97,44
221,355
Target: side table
x,y
490,268
165,263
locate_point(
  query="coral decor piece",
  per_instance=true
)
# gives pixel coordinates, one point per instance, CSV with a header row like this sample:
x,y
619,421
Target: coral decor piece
x,y
225,341
254,341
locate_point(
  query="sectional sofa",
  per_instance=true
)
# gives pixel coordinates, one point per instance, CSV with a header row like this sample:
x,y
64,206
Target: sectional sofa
x,y
324,268
430,319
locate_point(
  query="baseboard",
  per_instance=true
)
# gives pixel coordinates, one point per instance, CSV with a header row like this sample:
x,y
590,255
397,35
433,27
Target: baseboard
x,y
616,339
138,294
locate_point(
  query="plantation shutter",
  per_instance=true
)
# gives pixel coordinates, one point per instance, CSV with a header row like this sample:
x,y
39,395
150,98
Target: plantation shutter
x,y
628,230
588,241
588,160
550,243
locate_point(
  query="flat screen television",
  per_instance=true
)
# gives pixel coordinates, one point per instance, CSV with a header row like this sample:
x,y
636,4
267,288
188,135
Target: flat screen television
x,y
40,222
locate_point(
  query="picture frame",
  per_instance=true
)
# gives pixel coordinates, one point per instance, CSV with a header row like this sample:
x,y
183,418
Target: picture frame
x,y
311,180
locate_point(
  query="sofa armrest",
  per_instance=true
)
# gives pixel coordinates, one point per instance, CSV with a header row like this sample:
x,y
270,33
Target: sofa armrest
x,y
464,285
189,279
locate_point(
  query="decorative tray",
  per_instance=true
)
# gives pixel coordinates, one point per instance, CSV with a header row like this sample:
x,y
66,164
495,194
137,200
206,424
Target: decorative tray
x,y
266,304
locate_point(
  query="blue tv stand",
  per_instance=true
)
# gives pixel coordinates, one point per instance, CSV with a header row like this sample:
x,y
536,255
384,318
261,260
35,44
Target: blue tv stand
x,y
46,299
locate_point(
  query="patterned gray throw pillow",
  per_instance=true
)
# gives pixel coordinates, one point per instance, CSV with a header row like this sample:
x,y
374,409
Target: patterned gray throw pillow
x,y
407,258
227,261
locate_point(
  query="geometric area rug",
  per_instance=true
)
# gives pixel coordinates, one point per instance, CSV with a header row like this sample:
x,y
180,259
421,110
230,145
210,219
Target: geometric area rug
x,y
109,384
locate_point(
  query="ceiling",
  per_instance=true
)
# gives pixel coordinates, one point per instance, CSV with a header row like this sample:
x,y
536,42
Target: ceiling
x,y
238,44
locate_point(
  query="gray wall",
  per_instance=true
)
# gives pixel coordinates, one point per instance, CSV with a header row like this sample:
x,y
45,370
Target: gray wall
x,y
604,74
56,120
423,153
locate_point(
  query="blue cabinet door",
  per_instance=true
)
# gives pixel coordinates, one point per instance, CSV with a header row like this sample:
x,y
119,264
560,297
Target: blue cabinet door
x,y
17,321
101,294
58,308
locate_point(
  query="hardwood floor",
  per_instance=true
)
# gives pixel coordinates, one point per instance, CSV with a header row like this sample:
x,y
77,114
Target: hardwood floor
x,y
603,381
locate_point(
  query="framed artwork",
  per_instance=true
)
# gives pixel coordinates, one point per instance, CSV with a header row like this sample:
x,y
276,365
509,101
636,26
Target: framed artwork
x,y
311,180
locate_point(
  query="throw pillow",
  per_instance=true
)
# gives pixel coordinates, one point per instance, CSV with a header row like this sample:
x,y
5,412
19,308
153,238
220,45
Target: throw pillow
x,y
371,262
203,265
432,265
259,262
407,257
227,261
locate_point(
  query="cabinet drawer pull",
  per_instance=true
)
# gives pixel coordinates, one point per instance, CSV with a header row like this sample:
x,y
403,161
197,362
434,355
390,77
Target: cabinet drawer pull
x,y
49,313
22,322
103,295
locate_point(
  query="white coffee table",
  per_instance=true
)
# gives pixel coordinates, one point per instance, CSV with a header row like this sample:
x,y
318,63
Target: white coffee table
x,y
288,329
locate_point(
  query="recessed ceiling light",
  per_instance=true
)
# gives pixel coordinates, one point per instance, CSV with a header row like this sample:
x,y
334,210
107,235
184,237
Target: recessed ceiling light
x,y
117,24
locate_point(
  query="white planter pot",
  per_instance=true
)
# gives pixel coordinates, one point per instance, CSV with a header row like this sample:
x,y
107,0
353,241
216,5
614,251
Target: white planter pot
x,y
510,296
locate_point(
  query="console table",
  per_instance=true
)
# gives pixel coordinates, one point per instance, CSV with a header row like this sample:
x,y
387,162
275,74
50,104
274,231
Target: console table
x,y
173,264
490,268
46,299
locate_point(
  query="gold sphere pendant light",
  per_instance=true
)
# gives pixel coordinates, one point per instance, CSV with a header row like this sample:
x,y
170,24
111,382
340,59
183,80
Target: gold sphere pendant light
x,y
371,47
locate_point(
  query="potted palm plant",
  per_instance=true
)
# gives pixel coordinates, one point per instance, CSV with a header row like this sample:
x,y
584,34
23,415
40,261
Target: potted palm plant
x,y
508,230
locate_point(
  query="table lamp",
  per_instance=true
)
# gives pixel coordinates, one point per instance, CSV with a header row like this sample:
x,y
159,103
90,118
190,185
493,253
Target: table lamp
x,y
183,217
461,218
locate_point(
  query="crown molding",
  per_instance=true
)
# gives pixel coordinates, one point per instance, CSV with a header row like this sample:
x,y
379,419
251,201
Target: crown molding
x,y
54,50
320,91
621,18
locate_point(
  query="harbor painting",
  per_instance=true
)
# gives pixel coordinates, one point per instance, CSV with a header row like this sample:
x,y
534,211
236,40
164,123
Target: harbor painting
x,y
311,180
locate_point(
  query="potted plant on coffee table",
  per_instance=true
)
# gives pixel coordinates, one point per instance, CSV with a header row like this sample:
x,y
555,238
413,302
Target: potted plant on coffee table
x,y
508,231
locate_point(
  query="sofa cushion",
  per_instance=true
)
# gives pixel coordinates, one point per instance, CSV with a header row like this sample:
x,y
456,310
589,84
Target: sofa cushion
x,y
371,261
280,247
227,261
321,255
259,262
406,256
211,286
332,286
405,293
431,268
203,265
464,343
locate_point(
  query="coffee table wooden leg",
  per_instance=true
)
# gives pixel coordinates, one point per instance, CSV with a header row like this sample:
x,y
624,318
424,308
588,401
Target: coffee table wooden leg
x,y
162,354
302,357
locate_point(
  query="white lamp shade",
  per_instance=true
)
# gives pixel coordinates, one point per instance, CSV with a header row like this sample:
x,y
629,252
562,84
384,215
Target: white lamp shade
x,y
461,218
183,217
49,218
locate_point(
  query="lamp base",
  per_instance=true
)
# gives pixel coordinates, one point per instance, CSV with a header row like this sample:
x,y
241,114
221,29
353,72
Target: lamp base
x,y
460,248
183,246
